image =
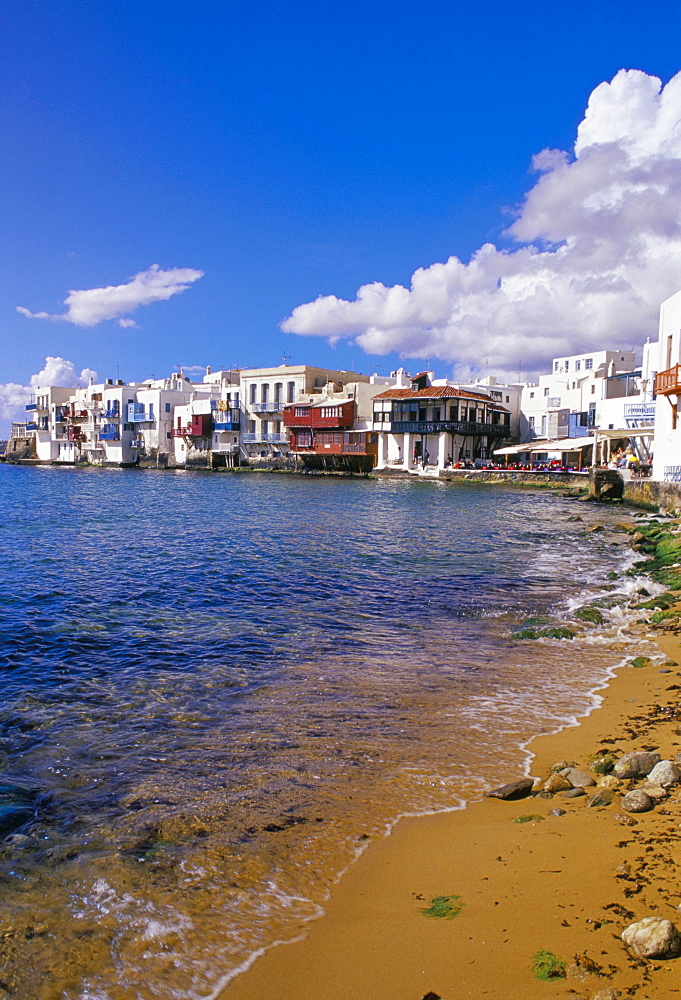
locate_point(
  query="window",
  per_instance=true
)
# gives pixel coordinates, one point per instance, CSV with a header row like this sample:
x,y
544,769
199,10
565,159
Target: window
x,y
167,407
546,391
251,426
567,366
543,426
264,393
254,394
531,395
578,366
588,363
278,394
301,411
556,366
277,426
436,413
508,399
290,392
593,390
330,411
265,426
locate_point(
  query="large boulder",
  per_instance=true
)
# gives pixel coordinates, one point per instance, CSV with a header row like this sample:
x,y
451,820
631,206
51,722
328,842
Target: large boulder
x,y
638,764
653,937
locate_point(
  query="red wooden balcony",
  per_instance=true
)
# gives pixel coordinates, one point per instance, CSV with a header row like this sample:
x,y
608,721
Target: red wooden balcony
x,y
669,381
333,443
331,415
199,426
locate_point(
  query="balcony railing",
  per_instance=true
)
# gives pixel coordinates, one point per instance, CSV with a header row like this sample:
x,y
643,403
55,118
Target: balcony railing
x,y
110,434
264,438
226,425
31,426
437,426
140,416
639,409
669,381
274,406
31,406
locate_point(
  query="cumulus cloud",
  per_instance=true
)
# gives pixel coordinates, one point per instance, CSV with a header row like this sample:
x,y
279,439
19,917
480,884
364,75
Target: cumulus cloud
x,y
595,248
57,371
91,306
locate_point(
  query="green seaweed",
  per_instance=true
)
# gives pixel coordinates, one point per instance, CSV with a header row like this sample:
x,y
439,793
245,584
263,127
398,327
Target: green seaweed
x,y
641,661
603,765
443,907
529,818
556,632
589,614
661,616
546,965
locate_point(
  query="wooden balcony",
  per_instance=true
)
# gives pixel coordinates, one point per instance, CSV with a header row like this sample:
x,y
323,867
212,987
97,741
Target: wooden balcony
x,y
334,443
331,415
668,382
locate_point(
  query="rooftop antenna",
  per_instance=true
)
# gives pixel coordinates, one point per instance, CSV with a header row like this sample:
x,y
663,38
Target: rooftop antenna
x,y
285,358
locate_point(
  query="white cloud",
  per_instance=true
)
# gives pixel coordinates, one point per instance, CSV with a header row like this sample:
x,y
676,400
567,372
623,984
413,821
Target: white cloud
x,y
91,306
57,371
598,248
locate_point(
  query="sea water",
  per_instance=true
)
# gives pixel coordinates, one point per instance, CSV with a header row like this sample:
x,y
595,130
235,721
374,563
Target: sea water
x,y
216,690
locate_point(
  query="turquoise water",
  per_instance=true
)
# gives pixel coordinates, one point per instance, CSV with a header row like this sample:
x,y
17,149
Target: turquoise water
x,y
216,689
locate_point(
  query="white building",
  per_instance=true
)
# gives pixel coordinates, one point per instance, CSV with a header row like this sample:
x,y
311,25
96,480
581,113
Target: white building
x,y
265,392
566,402
433,424
665,368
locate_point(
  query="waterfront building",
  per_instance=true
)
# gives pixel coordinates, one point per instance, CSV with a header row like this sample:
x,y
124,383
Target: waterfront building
x,y
436,424
265,392
565,403
227,417
111,423
332,430
46,424
665,369
601,398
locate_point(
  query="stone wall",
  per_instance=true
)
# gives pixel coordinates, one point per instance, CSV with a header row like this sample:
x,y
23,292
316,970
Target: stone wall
x,y
648,493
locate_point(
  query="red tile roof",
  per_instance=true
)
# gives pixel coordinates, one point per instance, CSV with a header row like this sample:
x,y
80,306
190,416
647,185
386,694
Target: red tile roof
x,y
439,392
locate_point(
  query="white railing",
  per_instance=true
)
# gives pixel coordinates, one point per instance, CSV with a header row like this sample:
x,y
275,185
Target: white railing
x,y
639,410
264,438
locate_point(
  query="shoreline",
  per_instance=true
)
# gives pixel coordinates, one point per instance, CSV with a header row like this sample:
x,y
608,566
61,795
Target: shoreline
x,y
566,884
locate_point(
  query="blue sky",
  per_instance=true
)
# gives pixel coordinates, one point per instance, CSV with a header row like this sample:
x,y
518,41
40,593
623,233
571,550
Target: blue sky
x,y
287,152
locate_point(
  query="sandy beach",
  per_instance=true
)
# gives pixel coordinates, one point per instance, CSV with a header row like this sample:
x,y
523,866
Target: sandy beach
x,y
566,884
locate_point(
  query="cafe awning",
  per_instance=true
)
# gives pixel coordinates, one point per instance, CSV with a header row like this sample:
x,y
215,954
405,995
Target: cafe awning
x,y
513,449
563,444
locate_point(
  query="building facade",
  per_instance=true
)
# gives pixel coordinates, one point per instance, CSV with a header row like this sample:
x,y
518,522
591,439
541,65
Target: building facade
x,y
436,425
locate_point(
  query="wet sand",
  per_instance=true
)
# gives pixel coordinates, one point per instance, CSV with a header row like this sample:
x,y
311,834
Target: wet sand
x,y
565,884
